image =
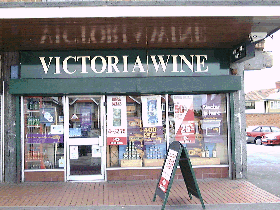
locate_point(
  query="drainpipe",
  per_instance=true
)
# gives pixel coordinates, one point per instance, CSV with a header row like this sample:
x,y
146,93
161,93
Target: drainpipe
x,y
232,136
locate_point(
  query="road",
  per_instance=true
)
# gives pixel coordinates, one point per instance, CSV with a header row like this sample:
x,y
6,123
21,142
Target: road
x,y
264,167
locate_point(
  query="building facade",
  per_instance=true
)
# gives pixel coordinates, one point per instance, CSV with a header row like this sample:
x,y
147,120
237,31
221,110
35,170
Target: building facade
x,y
262,107
92,94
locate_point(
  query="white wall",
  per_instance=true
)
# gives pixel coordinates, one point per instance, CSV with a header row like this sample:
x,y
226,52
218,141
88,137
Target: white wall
x,y
259,108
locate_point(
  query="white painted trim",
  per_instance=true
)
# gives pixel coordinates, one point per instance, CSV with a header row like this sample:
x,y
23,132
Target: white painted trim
x,y
40,170
2,144
138,11
84,141
22,138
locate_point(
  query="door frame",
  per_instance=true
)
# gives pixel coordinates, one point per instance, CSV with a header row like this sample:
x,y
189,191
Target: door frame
x,y
85,141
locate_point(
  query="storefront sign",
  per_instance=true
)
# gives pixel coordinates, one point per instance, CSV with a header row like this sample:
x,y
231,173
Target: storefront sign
x,y
184,119
116,121
123,63
38,138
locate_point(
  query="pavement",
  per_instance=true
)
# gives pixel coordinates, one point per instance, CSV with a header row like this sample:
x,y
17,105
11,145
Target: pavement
x,y
131,195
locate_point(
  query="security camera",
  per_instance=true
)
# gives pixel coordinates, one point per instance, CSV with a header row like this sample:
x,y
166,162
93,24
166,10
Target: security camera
x,y
257,36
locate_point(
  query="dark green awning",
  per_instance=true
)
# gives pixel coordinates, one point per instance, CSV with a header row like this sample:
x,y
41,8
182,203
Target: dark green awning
x,y
151,85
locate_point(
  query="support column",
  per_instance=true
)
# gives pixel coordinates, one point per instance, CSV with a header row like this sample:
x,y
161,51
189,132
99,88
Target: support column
x,y
10,145
238,134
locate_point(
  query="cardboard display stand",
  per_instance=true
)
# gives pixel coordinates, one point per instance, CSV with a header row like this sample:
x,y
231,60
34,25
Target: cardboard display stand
x,y
177,155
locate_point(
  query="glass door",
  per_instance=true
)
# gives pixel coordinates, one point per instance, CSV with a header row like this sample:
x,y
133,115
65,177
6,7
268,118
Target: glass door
x,y
85,146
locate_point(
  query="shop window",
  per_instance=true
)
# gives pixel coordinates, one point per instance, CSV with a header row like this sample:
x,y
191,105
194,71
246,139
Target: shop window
x,y
199,122
43,133
136,131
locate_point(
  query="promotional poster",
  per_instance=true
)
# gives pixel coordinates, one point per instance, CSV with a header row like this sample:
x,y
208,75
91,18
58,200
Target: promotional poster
x,y
116,121
167,170
212,119
184,119
85,118
152,119
151,111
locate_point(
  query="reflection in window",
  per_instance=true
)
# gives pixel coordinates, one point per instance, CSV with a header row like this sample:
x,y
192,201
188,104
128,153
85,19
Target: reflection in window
x,y
43,129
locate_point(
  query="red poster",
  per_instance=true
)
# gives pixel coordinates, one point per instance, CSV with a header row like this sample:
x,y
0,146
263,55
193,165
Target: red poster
x,y
167,170
186,131
116,141
184,119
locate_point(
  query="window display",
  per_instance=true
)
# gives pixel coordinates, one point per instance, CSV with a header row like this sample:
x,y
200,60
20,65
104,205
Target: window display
x,y
44,136
199,122
145,142
136,131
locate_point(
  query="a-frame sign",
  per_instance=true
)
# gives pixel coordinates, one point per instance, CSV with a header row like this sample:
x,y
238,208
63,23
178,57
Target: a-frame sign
x,y
177,155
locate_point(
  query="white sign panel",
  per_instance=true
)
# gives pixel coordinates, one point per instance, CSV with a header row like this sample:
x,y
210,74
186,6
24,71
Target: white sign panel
x,y
74,152
116,120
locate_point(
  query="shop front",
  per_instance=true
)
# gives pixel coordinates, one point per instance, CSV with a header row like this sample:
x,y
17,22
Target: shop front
x,y
111,114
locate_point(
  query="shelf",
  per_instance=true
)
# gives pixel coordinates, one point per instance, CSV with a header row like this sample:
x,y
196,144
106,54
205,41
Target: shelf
x,y
33,160
33,110
41,164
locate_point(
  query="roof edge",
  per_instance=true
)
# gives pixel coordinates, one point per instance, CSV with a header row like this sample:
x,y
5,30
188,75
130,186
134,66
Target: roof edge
x,y
141,3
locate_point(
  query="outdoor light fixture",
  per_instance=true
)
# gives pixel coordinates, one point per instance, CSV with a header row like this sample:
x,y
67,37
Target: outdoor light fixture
x,y
257,36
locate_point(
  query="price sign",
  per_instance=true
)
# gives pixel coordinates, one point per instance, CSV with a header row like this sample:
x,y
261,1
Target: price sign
x,y
116,131
167,170
184,119
150,133
177,155
179,109
153,135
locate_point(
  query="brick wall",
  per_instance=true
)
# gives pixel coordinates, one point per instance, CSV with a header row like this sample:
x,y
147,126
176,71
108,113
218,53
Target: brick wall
x,y
263,119
144,174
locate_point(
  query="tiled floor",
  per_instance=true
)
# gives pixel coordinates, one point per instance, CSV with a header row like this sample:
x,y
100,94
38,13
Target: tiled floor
x,y
214,191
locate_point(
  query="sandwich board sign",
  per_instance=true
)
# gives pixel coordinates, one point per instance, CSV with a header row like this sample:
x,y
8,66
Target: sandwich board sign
x,y
177,155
